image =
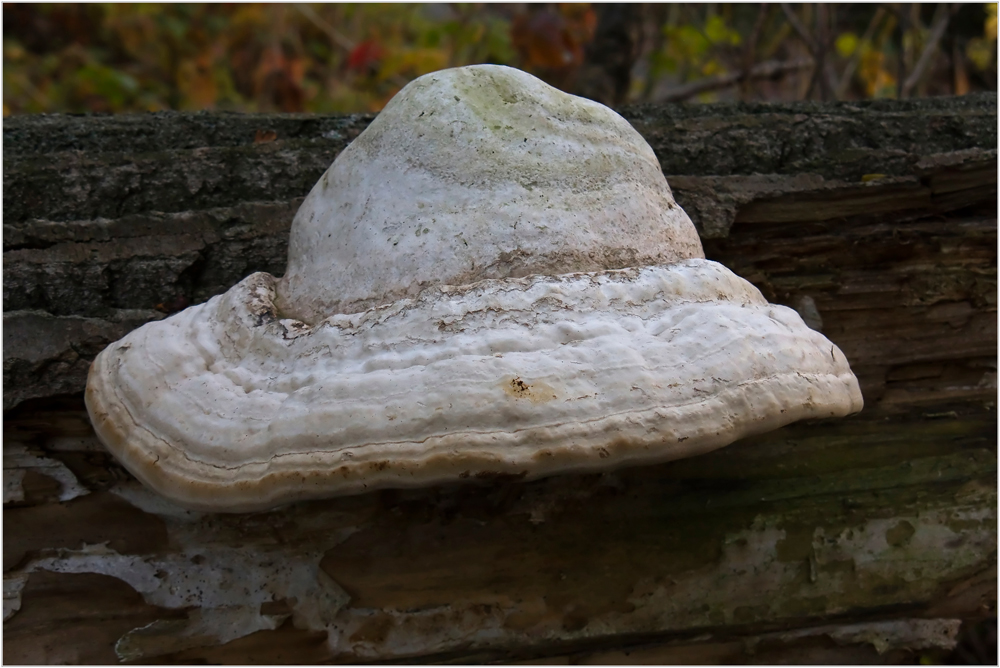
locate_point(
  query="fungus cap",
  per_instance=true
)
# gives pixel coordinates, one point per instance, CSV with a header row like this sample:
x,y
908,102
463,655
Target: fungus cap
x,y
492,280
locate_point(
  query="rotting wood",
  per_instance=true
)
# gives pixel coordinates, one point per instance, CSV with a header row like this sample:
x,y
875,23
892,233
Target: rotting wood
x,y
834,541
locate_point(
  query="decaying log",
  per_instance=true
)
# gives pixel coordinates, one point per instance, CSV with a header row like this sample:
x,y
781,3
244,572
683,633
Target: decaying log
x,y
868,539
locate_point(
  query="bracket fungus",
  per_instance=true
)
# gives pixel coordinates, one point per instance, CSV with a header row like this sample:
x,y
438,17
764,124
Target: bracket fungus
x,y
493,279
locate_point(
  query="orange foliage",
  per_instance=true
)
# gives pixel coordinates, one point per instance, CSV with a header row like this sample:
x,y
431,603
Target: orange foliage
x,y
553,38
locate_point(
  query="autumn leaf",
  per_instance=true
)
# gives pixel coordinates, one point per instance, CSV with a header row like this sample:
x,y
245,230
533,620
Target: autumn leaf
x,y
365,56
553,38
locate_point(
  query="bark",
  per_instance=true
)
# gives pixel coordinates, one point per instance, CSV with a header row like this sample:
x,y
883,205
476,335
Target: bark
x,y
867,539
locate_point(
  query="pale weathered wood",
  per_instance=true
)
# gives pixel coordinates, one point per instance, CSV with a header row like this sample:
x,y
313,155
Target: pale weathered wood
x,y
860,540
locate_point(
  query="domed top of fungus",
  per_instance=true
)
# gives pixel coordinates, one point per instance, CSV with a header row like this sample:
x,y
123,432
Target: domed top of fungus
x,y
473,173
492,279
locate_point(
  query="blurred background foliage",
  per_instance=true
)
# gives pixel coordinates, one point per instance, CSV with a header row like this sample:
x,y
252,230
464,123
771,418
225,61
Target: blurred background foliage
x,y
354,57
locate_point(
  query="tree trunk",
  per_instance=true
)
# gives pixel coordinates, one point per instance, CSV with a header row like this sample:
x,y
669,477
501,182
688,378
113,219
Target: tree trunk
x,y
866,539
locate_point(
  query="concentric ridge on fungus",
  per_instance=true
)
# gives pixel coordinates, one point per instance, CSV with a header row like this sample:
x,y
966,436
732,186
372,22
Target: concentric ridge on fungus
x,y
493,279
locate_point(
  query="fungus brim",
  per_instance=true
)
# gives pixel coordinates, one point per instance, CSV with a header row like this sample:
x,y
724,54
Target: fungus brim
x,y
228,406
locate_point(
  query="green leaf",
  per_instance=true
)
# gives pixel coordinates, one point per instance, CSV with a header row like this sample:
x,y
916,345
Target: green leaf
x,y
847,44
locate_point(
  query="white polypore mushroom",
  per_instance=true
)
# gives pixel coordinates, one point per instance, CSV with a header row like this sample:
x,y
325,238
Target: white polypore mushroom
x,y
492,279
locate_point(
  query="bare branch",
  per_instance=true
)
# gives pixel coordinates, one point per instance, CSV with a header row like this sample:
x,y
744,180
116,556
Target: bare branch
x,y
904,25
800,29
338,39
816,50
749,55
765,70
941,18
819,72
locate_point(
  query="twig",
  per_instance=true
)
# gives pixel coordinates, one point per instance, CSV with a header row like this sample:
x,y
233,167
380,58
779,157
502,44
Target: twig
x,y
901,70
811,45
960,78
800,29
941,19
750,54
765,70
331,32
660,20
819,73
852,64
